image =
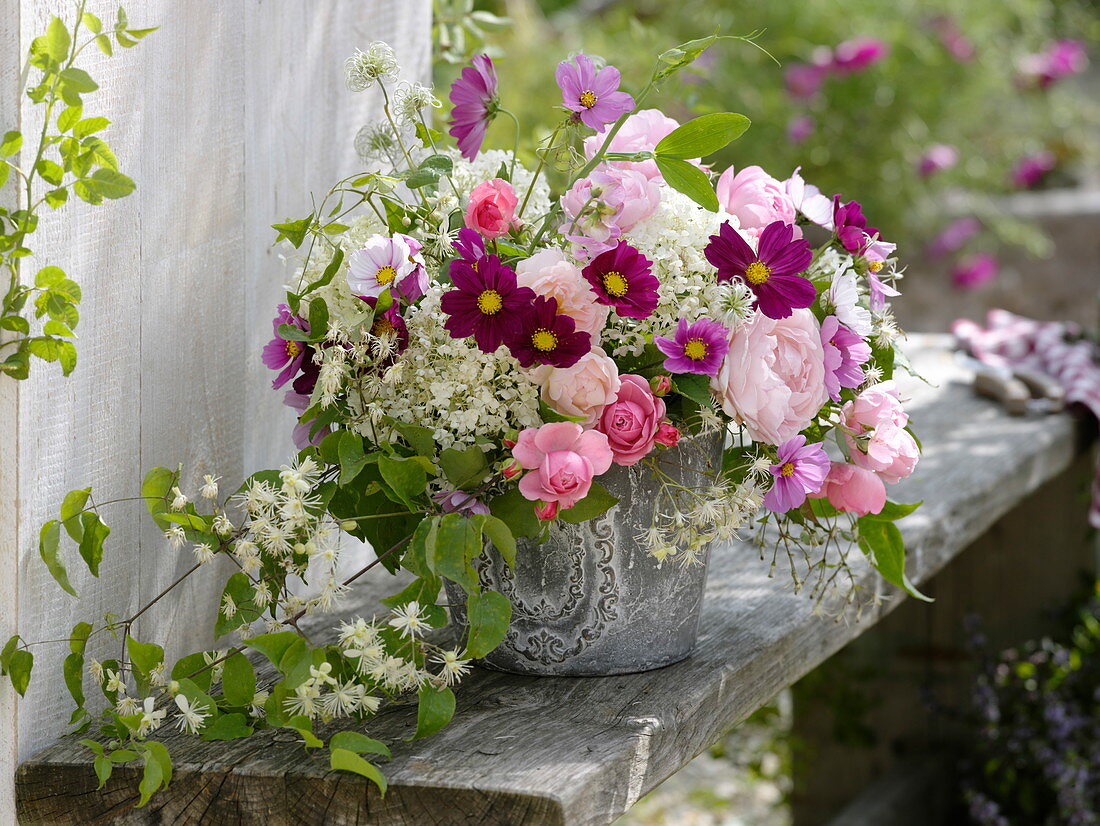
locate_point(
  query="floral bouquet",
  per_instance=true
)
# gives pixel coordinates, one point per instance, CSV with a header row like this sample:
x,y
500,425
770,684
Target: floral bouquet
x,y
473,358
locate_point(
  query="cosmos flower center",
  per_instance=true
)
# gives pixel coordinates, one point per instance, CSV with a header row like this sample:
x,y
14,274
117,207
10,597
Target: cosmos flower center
x,y
386,274
543,340
490,302
757,273
787,469
696,349
874,266
588,99
382,327
615,284
293,349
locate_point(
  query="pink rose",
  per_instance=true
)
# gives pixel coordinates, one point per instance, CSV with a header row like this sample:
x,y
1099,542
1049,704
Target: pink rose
x,y
600,208
853,489
874,429
561,459
492,208
549,273
877,404
773,377
756,198
640,132
667,435
584,389
631,422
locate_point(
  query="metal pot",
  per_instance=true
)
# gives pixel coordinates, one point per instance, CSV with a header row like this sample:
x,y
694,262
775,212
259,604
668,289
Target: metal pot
x,y
591,601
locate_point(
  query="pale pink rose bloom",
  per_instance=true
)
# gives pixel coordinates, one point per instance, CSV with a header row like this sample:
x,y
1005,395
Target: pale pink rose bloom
x,y
492,208
632,420
584,389
877,404
756,198
613,201
549,273
640,132
773,377
561,459
853,489
884,446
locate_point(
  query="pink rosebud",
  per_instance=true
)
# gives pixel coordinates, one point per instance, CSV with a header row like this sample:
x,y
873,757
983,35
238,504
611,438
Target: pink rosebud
x,y
631,421
509,443
660,385
667,435
546,511
874,425
562,458
492,208
852,489
512,469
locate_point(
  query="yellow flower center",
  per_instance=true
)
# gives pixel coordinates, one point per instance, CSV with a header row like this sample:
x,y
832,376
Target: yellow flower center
x,y
695,349
615,284
385,275
787,469
543,340
382,327
588,99
874,266
490,302
757,273
293,349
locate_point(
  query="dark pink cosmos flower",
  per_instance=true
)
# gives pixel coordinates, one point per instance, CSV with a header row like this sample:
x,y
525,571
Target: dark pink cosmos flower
x,y
390,325
470,246
459,501
1060,59
698,347
953,236
301,434
593,95
858,54
622,278
772,272
937,158
801,470
543,336
799,128
851,226
845,352
284,355
474,95
974,271
485,301
1030,170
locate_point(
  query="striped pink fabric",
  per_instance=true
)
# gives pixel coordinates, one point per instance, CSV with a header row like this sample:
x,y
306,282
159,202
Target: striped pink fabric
x,y
1057,349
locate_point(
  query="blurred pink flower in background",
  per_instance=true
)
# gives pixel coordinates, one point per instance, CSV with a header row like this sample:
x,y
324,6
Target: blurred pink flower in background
x,y
1060,59
951,238
974,271
799,128
1030,170
937,158
804,80
858,54
952,38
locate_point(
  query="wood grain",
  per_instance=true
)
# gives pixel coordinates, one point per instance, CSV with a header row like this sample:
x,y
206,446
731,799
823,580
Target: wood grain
x,y
579,752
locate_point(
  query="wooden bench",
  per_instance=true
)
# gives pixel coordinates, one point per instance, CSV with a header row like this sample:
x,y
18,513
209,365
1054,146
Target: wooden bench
x,y
581,751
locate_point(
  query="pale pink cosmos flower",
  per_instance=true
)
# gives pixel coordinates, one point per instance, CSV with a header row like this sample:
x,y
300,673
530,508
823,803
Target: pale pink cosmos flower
x,y
382,263
592,94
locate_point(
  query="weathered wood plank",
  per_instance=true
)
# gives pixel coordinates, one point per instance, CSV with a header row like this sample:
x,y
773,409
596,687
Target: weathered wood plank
x,y
526,750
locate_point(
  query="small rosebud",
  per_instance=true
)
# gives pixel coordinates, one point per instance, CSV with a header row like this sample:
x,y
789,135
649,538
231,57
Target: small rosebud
x,y
511,438
667,435
661,385
512,469
546,511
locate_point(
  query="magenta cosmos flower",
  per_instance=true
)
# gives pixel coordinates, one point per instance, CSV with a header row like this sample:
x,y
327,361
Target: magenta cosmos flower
x,y
801,470
845,353
485,301
771,272
593,95
698,347
622,278
543,336
470,246
281,354
474,95
851,226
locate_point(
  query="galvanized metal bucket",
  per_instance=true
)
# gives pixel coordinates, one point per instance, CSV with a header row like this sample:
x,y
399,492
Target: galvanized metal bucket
x,y
591,601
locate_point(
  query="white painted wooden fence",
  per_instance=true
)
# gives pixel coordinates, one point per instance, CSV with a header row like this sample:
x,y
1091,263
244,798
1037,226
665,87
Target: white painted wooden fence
x,y
227,118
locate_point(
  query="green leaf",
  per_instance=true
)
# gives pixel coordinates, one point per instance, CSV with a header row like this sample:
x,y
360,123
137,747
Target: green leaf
x,y
191,668
152,779
294,231
420,438
57,198
421,547
89,126
318,319
434,711
156,488
501,536
103,769
57,328
464,468
57,40
596,502
273,646
488,615
91,544
304,726
110,184
883,543
296,663
73,671
11,143
407,477
49,541
104,44
158,752
145,656
78,638
457,543
78,80
50,171
71,508
358,743
227,727
239,589
893,511
333,267
427,135
690,180
349,761
702,136
351,456
15,323
695,386
18,668
517,512
238,680
430,171
91,22
683,55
